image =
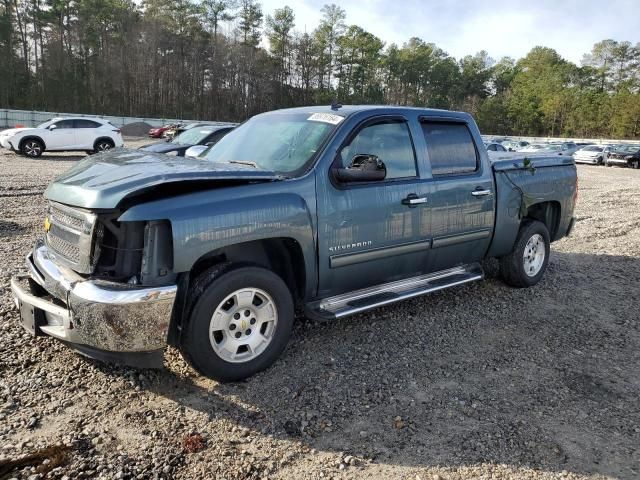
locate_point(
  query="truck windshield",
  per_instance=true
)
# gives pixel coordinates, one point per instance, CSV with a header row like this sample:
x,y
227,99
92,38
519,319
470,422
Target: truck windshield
x,y
278,142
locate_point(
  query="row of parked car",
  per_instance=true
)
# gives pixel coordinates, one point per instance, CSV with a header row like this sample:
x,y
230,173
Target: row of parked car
x,y
626,155
92,135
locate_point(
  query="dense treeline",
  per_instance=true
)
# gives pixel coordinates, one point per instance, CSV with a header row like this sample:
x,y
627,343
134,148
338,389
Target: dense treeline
x,y
227,60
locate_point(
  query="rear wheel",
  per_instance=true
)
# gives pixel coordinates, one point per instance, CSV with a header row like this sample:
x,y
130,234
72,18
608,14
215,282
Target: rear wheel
x,y
527,262
239,322
103,146
32,148
635,164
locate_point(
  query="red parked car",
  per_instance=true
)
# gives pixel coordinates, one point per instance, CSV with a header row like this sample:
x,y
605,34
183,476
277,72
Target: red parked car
x,y
157,132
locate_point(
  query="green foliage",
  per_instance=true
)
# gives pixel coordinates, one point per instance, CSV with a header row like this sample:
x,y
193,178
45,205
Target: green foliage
x,y
218,60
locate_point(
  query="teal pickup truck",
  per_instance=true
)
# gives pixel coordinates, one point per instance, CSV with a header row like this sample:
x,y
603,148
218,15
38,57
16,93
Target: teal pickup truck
x,y
328,211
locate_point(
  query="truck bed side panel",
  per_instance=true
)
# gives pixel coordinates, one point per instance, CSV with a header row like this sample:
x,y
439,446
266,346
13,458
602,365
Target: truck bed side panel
x,y
548,183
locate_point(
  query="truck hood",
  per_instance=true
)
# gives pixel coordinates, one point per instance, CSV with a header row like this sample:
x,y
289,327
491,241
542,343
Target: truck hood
x,y
103,181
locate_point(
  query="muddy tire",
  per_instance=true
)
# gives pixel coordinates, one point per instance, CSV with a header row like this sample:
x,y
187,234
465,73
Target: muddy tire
x,y
239,322
527,262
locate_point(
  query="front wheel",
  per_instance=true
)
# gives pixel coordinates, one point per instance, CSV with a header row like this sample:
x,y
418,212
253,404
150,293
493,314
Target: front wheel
x,y
527,262
635,164
32,148
239,323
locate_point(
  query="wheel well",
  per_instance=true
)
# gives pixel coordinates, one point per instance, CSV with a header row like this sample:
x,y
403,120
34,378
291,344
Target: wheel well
x,y
547,213
283,256
31,137
108,139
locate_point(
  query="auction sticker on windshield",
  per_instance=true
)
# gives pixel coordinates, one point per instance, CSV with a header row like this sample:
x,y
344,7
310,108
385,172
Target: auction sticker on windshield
x,y
326,118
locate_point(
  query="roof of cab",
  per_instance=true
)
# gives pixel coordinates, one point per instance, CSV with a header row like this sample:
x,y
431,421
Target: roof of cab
x,y
347,110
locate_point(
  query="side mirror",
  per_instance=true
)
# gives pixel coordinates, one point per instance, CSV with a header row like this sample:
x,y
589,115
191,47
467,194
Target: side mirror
x,y
363,168
195,150
53,127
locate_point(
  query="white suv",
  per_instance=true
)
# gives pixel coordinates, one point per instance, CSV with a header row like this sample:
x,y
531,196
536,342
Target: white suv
x,y
63,134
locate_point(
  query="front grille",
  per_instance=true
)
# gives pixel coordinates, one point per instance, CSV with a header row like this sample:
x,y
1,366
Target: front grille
x,y
70,236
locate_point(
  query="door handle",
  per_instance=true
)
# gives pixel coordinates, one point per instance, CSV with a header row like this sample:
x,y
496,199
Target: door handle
x,y
481,193
412,200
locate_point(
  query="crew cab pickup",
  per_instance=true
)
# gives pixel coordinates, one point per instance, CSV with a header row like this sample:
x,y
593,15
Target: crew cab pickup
x,y
326,211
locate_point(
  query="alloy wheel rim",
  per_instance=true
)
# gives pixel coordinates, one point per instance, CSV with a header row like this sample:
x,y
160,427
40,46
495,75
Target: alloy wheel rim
x,y
243,325
103,146
32,149
534,253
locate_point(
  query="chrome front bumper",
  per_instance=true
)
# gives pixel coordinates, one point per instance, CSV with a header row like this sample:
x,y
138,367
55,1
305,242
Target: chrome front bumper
x,y
101,319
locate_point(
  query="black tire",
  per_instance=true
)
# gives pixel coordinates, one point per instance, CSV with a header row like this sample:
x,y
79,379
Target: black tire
x,y
31,147
512,266
635,164
607,164
207,293
103,145
600,161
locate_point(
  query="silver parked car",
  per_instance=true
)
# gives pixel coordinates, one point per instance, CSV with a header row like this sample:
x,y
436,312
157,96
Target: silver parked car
x,y
594,154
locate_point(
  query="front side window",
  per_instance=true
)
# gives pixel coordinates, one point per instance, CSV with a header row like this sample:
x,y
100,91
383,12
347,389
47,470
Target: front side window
x,y
64,124
278,142
450,147
390,141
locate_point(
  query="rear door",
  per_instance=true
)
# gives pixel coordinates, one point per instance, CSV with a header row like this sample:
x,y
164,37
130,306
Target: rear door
x,y
462,201
62,137
86,133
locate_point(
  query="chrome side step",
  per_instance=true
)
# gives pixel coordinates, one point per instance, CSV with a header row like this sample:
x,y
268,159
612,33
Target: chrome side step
x,y
367,298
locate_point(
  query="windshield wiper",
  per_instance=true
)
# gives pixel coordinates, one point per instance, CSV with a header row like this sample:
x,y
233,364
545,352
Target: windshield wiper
x,y
245,162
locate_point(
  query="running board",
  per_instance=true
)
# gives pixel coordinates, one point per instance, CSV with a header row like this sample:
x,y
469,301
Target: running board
x,y
355,302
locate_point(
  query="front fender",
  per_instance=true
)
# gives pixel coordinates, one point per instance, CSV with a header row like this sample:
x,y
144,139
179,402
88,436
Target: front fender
x,y
206,221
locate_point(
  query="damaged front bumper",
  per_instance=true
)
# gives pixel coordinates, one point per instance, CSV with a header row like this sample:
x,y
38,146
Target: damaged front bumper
x,y
109,321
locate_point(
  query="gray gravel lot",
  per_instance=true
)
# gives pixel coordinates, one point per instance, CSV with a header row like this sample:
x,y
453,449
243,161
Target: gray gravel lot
x,y
483,381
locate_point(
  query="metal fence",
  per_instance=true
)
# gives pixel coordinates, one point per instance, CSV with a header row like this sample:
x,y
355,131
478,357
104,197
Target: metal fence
x,y
26,118
11,118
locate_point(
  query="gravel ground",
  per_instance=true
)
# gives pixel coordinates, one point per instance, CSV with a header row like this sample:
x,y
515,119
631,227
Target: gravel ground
x,y
482,381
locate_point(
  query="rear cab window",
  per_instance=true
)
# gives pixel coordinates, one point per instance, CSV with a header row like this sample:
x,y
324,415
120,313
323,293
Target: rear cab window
x,y
450,148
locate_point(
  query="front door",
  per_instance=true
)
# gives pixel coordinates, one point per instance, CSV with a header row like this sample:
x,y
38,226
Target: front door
x,y
371,233
62,137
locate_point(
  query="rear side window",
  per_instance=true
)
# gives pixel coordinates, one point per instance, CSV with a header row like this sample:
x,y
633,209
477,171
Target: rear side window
x,y
86,124
450,147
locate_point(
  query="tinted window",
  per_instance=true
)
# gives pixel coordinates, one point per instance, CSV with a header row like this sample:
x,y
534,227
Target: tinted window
x,y
450,147
64,124
390,141
492,147
86,124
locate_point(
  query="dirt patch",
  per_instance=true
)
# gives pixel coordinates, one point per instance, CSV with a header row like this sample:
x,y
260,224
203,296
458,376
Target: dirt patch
x,y
136,129
483,381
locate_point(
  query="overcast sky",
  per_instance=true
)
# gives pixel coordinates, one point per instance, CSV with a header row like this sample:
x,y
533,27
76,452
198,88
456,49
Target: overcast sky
x,y
501,27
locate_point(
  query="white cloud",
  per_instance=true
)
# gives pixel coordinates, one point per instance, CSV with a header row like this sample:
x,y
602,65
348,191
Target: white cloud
x,y
502,27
